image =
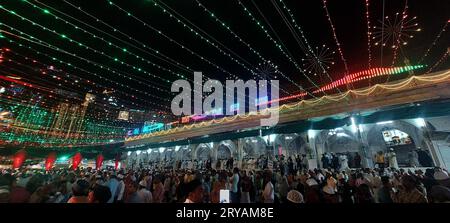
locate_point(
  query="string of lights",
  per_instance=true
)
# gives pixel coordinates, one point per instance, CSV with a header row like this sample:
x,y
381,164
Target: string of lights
x,y
99,52
427,52
333,30
166,9
368,33
228,29
282,44
50,84
45,44
398,37
109,42
315,55
187,68
442,59
97,75
368,74
142,46
309,102
191,28
317,61
277,45
80,80
171,39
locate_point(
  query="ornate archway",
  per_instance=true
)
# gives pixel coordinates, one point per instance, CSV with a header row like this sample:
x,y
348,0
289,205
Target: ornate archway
x,y
184,153
253,147
400,135
296,145
203,152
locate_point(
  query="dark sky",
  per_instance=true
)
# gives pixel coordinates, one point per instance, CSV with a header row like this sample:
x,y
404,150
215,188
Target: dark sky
x,y
348,17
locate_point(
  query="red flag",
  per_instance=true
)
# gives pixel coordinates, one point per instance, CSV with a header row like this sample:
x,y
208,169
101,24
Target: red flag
x,y
19,158
99,161
116,164
51,158
76,161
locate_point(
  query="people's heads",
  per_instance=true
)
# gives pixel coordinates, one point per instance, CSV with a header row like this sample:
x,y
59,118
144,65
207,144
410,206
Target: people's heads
x,y
4,189
101,194
364,188
440,176
268,175
235,170
80,188
440,194
295,197
408,182
359,176
311,182
195,191
429,173
385,180
34,183
134,186
142,184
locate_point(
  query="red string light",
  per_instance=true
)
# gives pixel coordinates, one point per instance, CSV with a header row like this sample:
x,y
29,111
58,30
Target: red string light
x,y
366,74
335,37
368,32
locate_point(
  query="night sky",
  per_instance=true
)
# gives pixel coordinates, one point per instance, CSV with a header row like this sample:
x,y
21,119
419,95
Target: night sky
x,y
348,17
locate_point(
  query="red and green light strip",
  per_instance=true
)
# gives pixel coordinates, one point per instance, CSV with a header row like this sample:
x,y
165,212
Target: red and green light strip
x,y
367,74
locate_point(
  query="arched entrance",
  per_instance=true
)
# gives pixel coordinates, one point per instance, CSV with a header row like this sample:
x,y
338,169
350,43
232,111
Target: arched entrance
x,y
253,147
405,138
223,152
185,153
296,146
203,152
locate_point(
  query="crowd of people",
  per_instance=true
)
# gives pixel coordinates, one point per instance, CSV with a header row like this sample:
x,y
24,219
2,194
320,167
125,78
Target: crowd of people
x,y
277,181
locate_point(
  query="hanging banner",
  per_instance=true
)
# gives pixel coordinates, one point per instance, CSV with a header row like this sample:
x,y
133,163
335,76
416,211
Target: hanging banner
x,y
50,161
19,158
76,161
99,161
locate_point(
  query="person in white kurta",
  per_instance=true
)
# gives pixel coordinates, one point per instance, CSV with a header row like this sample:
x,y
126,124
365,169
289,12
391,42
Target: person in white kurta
x,y
343,162
392,157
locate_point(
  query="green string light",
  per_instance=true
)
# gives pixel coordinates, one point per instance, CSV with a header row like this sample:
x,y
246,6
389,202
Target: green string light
x,y
93,63
92,73
98,52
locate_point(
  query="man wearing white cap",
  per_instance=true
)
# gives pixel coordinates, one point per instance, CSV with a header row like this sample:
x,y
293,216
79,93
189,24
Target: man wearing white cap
x,y
120,188
144,193
442,178
294,197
